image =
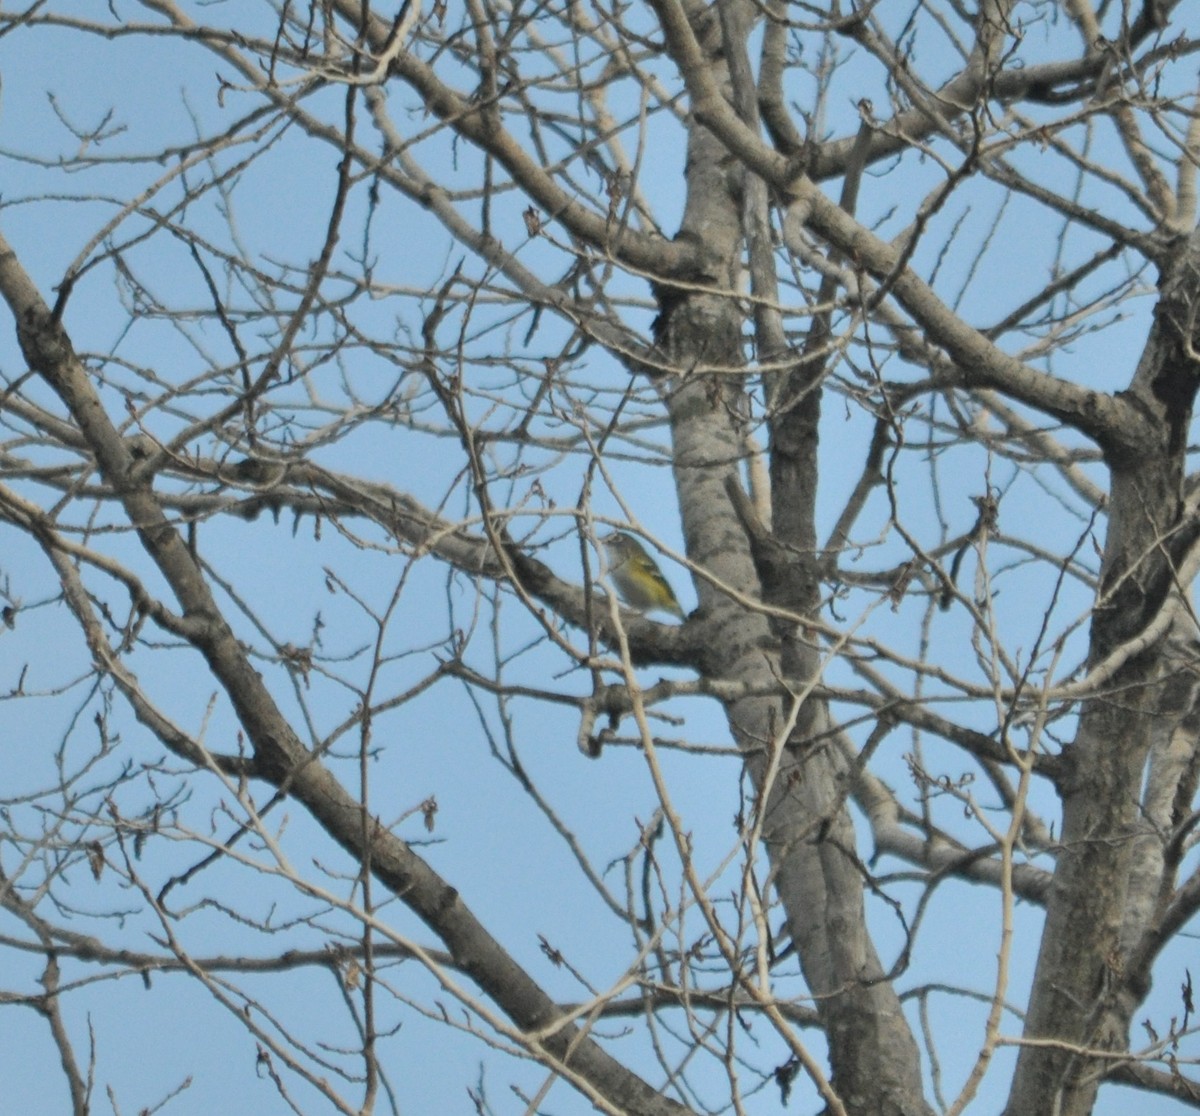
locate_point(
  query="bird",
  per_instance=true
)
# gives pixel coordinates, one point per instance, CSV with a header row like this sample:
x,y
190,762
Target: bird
x,y
638,580
256,472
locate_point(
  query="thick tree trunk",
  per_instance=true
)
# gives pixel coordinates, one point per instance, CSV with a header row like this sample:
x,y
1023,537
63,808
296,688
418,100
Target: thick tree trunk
x,y
807,830
1080,996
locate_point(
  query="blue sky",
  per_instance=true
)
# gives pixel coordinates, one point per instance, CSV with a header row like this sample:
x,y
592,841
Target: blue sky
x,y
504,856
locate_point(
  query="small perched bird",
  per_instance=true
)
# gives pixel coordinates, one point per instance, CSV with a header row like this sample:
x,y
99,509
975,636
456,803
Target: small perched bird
x,y
638,580
256,472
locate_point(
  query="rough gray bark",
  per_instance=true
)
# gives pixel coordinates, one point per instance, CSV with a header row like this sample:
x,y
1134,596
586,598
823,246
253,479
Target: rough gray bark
x,y
800,785
1081,990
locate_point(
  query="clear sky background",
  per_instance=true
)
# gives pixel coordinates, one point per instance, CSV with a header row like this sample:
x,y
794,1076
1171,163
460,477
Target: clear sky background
x,y
504,857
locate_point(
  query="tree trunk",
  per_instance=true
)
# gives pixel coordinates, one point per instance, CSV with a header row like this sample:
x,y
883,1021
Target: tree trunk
x,y
806,828
1080,989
